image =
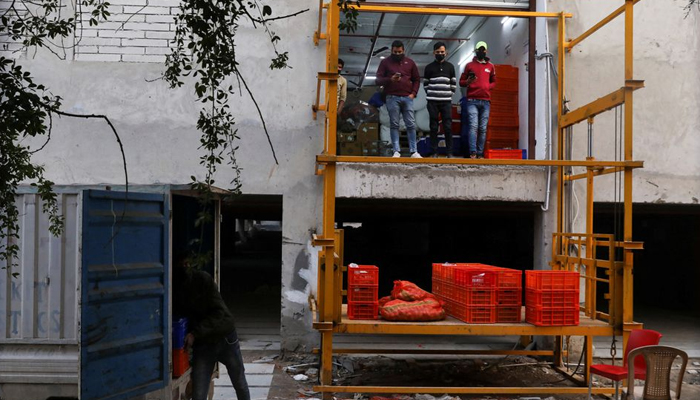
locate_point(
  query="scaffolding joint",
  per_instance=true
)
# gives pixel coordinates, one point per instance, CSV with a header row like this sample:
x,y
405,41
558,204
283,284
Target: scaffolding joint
x,y
323,326
322,241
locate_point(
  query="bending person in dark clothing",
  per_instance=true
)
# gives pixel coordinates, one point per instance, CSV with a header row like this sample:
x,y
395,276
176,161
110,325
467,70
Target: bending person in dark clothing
x,y
212,335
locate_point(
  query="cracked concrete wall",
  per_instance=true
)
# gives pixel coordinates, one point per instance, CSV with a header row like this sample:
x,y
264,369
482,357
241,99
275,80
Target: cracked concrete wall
x,y
666,111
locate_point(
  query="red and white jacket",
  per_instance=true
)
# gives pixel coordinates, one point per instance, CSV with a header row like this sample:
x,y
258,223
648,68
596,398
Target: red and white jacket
x,y
485,73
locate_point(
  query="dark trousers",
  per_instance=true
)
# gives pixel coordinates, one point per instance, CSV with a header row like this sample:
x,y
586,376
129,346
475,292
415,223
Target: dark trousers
x,y
205,356
435,110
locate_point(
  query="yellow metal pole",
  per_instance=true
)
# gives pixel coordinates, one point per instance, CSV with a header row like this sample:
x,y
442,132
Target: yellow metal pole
x,y
628,302
377,8
560,142
590,253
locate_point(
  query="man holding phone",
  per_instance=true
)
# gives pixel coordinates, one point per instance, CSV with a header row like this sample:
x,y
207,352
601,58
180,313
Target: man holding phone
x,y
479,77
401,80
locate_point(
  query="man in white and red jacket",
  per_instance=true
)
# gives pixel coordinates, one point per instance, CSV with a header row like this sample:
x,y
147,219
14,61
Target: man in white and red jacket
x,y
479,77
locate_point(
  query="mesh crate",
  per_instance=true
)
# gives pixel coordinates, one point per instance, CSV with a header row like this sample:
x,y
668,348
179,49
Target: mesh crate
x,y
504,107
509,278
506,71
504,96
471,314
363,310
509,297
504,154
473,277
552,316
504,120
508,313
506,83
500,134
363,275
470,296
363,293
552,280
552,298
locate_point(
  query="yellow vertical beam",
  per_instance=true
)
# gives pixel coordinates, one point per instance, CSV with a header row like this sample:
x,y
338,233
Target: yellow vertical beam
x,y
628,299
338,275
590,251
560,142
330,296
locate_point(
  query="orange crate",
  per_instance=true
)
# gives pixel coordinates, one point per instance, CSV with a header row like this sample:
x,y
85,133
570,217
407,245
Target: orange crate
x,y
470,296
363,310
509,297
469,277
506,71
504,120
503,154
502,96
509,133
552,316
506,84
363,293
501,143
551,298
181,362
509,278
552,280
504,107
363,275
471,314
508,313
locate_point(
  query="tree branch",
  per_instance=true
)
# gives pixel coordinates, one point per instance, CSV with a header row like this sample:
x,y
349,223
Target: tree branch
x,y
252,97
263,21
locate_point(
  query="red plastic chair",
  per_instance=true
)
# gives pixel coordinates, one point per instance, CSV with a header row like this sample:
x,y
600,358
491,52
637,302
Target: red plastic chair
x,y
638,338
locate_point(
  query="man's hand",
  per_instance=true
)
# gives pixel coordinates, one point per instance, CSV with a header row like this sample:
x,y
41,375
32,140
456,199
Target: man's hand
x,y
471,80
396,77
411,96
189,340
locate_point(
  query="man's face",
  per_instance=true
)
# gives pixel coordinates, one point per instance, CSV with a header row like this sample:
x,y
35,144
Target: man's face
x,y
440,51
340,67
397,51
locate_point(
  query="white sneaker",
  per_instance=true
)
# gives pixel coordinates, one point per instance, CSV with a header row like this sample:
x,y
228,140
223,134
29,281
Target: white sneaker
x,y
416,155
396,154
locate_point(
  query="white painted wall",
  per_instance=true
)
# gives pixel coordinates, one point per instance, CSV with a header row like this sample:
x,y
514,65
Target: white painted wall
x,y
666,112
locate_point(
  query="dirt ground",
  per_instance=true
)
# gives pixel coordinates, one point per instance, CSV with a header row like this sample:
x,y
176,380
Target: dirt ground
x,y
447,371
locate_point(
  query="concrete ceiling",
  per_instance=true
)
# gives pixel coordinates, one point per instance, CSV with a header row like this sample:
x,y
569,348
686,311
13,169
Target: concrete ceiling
x,y
418,32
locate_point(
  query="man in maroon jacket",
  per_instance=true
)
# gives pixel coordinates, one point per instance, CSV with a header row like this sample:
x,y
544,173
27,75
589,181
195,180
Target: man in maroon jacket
x,y
401,80
479,77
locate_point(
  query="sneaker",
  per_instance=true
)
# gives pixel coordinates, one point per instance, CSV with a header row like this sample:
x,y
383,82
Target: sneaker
x,y
416,155
450,156
472,155
435,155
480,156
396,154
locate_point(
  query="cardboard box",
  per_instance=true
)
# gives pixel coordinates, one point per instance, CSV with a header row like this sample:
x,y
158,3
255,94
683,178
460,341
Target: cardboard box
x,y
347,137
368,132
349,148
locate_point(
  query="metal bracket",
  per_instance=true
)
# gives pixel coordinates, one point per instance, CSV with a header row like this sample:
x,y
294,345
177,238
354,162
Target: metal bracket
x,y
634,84
323,326
322,241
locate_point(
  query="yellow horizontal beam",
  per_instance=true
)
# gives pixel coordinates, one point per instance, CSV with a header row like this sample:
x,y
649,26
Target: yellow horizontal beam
x,y
457,11
542,353
570,45
327,159
460,328
322,241
584,175
460,390
594,108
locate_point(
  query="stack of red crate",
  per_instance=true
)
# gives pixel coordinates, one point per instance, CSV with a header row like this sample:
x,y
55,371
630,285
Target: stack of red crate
x,y
363,292
552,298
469,292
503,130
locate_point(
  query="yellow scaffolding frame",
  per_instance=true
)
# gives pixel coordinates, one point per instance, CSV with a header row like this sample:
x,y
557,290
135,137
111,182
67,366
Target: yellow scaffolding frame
x,y
329,314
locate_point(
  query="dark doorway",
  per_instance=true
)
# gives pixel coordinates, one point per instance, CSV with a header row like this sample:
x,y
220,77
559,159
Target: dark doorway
x,y
404,237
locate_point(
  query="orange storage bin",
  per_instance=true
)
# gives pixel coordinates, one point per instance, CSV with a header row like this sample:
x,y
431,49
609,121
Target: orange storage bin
x,y
181,362
471,314
503,154
552,298
363,310
363,293
363,275
508,313
541,316
509,297
552,280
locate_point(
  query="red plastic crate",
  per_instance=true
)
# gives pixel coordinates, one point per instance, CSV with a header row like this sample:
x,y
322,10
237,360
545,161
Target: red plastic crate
x,y
455,113
504,107
551,298
504,135
504,154
504,120
363,310
509,278
471,277
470,296
501,143
363,293
471,314
363,275
509,297
503,96
552,280
506,83
181,362
552,316
508,313
506,71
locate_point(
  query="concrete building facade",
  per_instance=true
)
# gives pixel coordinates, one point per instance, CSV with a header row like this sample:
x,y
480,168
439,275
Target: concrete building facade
x,y
114,70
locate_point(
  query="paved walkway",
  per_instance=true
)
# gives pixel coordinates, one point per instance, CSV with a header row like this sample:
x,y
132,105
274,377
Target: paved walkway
x,y
259,378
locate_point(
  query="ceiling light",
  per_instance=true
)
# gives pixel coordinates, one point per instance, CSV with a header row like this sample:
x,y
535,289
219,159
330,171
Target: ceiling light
x,y
382,57
370,78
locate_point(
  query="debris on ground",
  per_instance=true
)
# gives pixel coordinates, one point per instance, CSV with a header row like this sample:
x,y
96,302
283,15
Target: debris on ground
x,y
300,377
266,359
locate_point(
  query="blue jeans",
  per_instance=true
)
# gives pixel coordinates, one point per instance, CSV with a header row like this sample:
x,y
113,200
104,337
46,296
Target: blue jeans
x,y
397,106
478,111
204,358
